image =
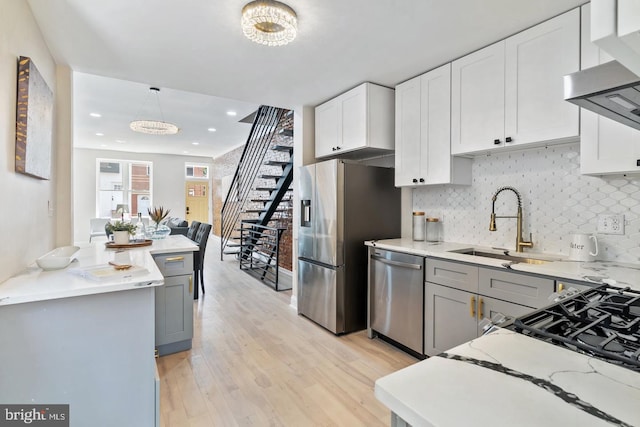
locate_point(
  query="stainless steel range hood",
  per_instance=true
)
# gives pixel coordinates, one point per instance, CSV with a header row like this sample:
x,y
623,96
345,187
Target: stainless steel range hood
x,y
609,89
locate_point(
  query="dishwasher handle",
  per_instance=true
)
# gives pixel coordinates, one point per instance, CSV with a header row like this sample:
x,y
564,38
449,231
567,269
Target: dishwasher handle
x,y
396,263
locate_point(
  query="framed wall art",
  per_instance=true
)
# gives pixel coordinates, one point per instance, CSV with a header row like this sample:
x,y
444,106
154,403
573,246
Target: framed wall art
x,y
34,121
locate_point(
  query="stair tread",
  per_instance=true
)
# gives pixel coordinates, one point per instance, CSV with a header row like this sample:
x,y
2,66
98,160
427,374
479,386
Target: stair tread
x,y
262,210
286,132
282,148
270,176
276,163
269,189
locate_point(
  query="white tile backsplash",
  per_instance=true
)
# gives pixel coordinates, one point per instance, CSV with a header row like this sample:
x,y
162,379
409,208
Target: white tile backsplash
x,y
557,201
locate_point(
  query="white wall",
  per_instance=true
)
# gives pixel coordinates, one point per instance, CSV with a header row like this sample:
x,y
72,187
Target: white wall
x,y
168,183
27,226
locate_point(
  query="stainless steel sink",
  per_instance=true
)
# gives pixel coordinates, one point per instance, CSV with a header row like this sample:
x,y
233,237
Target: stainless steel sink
x,y
512,258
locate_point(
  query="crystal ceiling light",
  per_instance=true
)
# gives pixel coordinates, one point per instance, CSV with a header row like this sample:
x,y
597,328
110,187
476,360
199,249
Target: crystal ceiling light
x,y
269,22
154,127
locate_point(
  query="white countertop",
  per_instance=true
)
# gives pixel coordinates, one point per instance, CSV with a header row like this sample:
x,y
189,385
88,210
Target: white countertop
x,y
559,267
35,284
507,379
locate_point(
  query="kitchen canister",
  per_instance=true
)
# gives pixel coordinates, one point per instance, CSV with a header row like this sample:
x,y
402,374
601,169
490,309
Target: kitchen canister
x,y
434,230
418,226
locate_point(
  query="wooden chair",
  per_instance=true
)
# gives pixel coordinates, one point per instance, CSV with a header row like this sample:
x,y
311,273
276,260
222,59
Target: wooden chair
x,y
201,238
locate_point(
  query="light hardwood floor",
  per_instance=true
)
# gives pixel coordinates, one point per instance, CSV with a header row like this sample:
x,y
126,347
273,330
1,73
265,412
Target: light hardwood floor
x,y
255,362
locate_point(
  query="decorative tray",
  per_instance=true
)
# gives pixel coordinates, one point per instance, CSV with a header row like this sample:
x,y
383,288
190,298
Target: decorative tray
x,y
107,271
132,244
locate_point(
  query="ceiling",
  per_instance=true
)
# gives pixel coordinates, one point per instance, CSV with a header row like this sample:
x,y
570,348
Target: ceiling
x,y
195,51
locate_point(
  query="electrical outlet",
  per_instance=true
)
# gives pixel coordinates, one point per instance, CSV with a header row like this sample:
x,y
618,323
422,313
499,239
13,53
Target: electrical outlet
x,y
610,224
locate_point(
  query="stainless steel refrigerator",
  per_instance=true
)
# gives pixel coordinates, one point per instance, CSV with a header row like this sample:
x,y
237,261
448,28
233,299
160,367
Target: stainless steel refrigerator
x,y
342,205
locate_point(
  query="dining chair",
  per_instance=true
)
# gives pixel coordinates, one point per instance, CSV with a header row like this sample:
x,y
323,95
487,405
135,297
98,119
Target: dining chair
x,y
201,238
96,227
193,229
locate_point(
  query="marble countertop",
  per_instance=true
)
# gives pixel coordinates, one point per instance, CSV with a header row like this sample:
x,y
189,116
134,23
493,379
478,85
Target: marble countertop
x,y
35,284
507,379
559,266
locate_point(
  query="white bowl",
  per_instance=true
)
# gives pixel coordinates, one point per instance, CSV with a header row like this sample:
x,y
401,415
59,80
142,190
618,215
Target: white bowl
x,y
57,258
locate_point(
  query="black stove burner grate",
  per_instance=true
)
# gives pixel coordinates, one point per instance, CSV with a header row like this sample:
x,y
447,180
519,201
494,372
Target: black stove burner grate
x,y
603,322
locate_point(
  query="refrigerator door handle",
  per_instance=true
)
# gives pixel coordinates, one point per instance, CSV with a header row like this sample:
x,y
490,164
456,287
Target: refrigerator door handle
x,y
396,263
305,213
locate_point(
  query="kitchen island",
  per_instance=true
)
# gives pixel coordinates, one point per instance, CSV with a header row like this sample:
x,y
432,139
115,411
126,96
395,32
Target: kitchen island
x,y
507,379
67,339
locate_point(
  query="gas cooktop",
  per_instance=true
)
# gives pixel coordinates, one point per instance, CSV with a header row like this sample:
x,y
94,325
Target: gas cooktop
x,y
603,322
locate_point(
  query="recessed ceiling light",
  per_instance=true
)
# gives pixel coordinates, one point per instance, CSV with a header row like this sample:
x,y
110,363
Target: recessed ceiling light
x,y
95,114
121,141
211,129
103,145
231,113
195,143
99,134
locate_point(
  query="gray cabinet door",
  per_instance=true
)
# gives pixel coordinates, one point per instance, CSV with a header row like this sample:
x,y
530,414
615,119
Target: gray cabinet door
x,y
454,274
489,307
450,318
174,310
519,288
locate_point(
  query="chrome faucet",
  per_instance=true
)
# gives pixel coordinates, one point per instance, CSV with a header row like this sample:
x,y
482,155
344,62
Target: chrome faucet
x,y
520,242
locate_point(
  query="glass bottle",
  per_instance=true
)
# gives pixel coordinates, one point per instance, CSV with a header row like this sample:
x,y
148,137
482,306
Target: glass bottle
x,y
140,228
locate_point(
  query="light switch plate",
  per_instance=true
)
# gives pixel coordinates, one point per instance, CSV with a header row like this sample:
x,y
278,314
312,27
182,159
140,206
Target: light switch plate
x,y
610,224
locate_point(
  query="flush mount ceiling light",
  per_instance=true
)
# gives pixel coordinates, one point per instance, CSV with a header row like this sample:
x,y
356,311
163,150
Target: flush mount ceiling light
x,y
153,127
269,22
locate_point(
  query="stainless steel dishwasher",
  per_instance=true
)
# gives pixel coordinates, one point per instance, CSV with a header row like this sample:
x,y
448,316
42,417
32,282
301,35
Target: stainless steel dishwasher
x,y
396,297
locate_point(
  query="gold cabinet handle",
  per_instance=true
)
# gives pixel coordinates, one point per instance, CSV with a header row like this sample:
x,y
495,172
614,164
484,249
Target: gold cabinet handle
x,y
480,309
174,259
560,287
190,284
472,309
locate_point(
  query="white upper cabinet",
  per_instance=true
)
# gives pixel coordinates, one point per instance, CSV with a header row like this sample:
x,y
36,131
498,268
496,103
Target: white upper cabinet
x,y
423,132
606,146
511,93
358,121
477,100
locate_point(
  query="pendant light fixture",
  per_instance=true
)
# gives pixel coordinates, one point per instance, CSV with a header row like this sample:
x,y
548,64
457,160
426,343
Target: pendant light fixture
x,y
269,22
153,127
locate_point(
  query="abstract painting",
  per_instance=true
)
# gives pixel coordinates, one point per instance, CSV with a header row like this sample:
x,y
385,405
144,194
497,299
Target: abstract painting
x,y
34,121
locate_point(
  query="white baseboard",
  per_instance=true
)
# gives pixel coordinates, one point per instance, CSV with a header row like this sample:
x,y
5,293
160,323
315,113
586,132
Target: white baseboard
x,y
294,302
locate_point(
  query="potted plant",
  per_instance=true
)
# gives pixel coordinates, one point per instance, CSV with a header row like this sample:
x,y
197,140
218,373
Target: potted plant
x,y
121,231
157,214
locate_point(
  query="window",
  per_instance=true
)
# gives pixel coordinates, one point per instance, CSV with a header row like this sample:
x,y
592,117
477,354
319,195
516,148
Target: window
x,y
196,171
123,182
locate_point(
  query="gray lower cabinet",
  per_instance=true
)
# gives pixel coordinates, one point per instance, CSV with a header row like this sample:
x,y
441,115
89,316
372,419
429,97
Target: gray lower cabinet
x,y
174,303
458,296
449,320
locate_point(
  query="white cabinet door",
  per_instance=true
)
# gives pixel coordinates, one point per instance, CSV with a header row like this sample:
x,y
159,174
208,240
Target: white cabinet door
x,y
435,125
353,107
408,144
536,61
450,318
606,147
328,128
477,100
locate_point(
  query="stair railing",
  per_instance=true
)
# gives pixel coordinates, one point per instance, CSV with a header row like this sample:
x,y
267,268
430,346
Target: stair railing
x,y
262,132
